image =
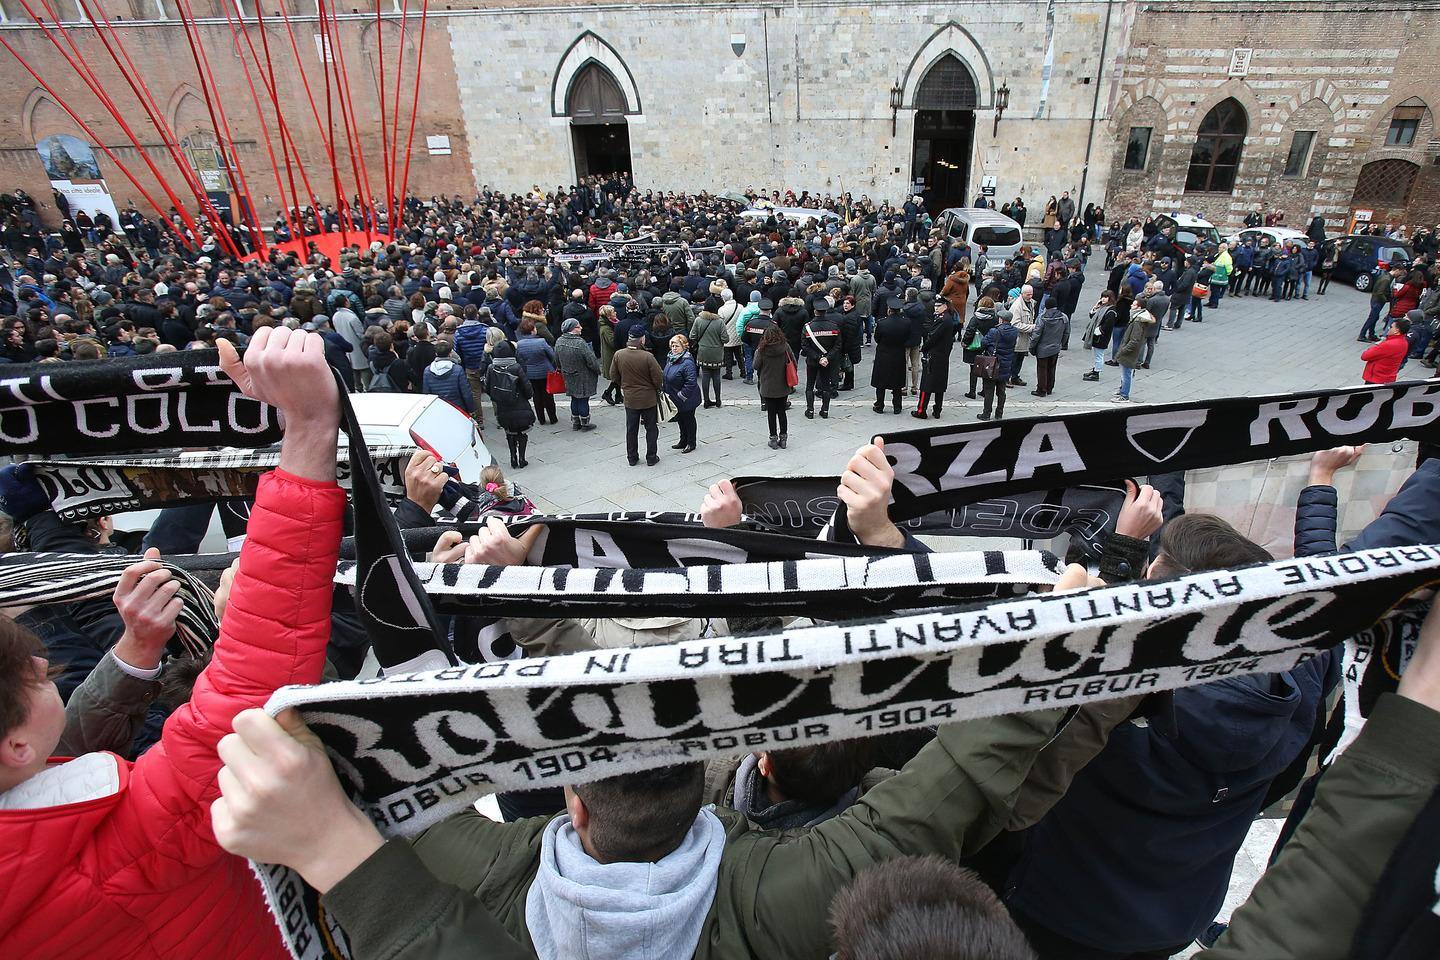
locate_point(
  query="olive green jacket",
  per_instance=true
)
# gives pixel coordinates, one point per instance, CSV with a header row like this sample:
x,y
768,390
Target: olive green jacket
x,y
1308,905
106,711
449,895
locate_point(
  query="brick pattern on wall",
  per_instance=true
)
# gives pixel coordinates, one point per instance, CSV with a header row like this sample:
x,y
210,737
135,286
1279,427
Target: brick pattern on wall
x,y
1324,67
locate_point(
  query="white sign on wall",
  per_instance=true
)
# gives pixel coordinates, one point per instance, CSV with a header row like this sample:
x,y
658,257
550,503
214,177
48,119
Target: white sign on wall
x,y
1240,61
322,48
438,145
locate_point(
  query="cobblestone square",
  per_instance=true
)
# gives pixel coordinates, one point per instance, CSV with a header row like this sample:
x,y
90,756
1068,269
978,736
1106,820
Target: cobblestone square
x,y
1248,346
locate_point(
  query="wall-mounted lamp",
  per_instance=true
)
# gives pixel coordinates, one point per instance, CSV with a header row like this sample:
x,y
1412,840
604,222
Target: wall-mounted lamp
x,y
1002,100
897,99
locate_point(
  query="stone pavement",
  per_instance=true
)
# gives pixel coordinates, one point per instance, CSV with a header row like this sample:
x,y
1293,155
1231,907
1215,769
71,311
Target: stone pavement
x,y
1249,346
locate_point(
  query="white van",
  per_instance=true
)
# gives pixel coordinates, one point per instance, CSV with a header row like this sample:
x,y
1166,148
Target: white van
x,y
1001,236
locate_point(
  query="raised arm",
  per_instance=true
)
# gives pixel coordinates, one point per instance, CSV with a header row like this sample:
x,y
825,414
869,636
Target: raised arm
x,y
277,622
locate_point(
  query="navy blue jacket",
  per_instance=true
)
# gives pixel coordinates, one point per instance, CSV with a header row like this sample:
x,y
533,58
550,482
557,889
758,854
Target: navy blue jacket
x,y
470,344
446,379
536,356
1137,855
1000,341
682,382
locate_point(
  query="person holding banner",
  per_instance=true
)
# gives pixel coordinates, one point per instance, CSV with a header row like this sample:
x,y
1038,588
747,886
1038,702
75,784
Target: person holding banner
x,y
99,849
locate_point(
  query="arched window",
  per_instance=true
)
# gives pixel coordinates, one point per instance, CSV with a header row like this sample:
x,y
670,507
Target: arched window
x,y
595,97
1386,183
1216,154
948,85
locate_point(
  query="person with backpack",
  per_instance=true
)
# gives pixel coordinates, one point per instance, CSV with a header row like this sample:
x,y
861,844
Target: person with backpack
x,y
443,378
387,373
510,394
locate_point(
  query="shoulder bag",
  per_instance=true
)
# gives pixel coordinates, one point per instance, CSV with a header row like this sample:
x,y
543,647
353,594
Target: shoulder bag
x,y
665,407
987,366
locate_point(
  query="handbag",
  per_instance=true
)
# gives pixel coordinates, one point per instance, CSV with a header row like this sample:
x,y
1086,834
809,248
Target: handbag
x,y
792,376
554,382
666,410
1200,290
987,366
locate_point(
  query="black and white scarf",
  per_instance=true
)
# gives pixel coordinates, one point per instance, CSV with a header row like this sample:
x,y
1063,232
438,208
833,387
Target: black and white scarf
x,y
80,489
28,579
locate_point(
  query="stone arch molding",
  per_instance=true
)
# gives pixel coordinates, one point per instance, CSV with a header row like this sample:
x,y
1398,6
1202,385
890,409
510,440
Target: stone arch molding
x,y
1146,90
1322,90
588,48
951,40
34,103
177,103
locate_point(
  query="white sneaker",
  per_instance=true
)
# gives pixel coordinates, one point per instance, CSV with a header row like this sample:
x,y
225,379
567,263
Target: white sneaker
x,y
1119,399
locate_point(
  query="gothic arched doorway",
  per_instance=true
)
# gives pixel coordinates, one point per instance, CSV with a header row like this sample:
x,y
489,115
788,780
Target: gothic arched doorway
x,y
598,129
945,104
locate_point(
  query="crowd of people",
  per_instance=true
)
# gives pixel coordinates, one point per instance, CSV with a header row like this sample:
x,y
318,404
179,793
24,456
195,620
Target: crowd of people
x,y
1107,833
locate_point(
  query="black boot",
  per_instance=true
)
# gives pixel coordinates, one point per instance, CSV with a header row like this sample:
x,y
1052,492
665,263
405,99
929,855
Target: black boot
x,y
574,422
783,438
523,440
514,455
586,425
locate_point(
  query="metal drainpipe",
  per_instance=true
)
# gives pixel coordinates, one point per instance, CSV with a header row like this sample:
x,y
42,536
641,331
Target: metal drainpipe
x,y
1095,107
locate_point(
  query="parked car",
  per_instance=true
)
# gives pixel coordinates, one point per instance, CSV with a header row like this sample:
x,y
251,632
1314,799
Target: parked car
x,y
386,419
420,420
976,226
1189,232
803,215
1360,259
1277,235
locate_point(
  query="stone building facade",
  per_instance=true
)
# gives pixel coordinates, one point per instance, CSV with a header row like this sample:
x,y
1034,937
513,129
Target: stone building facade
x,y
1337,103
1041,96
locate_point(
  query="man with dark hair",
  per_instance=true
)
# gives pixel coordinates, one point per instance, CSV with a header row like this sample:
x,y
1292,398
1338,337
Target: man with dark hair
x,y
923,908
797,788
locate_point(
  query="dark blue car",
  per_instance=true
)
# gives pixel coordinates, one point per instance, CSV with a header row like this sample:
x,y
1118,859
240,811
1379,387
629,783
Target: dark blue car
x,y
1361,258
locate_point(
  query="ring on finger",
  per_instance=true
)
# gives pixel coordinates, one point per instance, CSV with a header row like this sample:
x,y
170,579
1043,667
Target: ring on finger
x,y
435,468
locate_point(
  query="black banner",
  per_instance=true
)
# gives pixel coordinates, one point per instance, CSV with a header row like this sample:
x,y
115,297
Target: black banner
x,y
805,505
944,468
131,403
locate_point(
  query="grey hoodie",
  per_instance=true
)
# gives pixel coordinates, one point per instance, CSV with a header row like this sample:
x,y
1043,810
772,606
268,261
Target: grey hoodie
x,y
581,909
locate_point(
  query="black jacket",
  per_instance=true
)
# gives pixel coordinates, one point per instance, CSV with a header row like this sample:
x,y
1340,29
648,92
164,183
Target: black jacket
x,y
821,338
917,315
852,333
792,315
936,346
888,370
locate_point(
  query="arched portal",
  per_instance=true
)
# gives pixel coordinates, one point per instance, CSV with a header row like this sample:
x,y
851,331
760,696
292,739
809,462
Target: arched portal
x,y
945,104
596,108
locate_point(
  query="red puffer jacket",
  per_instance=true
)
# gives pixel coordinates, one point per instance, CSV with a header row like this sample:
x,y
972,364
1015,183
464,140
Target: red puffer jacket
x,y
1382,361
136,872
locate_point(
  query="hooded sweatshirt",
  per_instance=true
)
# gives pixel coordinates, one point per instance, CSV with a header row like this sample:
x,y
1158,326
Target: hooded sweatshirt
x,y
581,909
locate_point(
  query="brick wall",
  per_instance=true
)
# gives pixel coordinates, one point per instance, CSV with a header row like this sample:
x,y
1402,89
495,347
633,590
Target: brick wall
x,y
1338,70
163,59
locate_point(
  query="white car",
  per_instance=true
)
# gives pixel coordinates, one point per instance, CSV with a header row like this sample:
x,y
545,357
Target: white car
x,y
1277,235
386,419
420,420
1001,236
1189,232
804,215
